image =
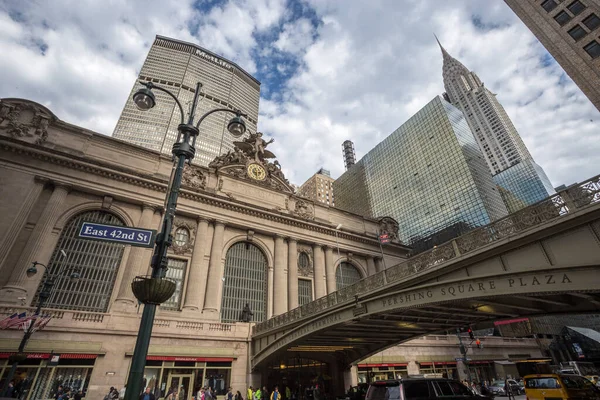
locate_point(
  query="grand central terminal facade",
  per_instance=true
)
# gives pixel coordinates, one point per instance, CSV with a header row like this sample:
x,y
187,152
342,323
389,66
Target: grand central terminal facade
x,y
238,238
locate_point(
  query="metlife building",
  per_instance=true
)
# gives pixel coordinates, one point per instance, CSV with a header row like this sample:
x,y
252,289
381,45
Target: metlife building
x,y
178,66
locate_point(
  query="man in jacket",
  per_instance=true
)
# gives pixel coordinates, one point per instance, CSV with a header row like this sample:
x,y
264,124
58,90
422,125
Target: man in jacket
x,y
147,395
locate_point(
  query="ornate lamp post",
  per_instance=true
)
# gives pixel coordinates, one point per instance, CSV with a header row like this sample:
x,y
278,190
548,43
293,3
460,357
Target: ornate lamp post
x,y
44,294
155,289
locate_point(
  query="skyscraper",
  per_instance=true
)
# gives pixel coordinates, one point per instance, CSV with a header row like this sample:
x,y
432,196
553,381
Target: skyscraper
x,y
501,144
569,31
177,66
318,187
429,175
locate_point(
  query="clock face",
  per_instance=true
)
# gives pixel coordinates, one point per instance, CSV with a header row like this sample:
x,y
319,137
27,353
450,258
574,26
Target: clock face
x,y
257,171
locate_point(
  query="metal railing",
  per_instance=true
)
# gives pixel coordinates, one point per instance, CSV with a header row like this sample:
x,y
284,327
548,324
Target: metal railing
x,y
562,204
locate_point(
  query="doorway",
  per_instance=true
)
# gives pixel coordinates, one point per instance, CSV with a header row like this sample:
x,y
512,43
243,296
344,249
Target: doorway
x,y
182,382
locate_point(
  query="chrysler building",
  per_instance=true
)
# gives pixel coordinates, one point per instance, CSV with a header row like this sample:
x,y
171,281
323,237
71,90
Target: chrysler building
x,y
520,180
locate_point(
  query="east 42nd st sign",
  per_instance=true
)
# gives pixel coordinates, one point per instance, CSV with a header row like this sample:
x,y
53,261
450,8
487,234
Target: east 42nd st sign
x,y
118,234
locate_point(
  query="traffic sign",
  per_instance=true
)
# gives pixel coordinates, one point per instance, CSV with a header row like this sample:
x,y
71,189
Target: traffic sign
x,y
462,359
118,234
384,238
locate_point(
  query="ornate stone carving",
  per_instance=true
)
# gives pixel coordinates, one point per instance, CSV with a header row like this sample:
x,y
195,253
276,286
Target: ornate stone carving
x,y
193,177
252,150
25,121
187,247
304,209
305,270
389,226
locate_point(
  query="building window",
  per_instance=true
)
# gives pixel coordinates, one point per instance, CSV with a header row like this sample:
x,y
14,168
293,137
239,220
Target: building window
x,y
182,236
549,5
593,49
577,32
346,275
245,281
176,272
576,7
592,22
304,291
562,18
96,261
303,261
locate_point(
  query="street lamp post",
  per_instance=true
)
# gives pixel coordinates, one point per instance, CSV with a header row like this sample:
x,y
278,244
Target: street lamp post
x,y
44,294
154,290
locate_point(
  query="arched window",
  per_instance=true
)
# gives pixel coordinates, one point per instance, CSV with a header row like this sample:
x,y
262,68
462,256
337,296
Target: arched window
x,y
303,260
96,261
245,281
182,237
346,275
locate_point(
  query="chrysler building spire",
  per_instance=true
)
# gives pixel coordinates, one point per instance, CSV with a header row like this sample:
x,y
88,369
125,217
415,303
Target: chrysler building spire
x,y
495,133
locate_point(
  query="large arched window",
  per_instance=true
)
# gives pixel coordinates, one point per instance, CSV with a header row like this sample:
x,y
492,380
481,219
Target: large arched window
x,y
96,261
346,275
245,281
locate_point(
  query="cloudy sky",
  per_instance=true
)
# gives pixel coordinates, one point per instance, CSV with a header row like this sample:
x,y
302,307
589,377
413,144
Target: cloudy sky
x,y
330,70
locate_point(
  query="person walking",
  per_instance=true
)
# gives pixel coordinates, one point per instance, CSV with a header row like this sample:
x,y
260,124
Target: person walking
x,y
250,393
229,395
147,395
257,394
238,396
508,390
173,395
275,395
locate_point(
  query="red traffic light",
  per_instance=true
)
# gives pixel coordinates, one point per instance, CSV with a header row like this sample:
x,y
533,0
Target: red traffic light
x,y
471,334
478,343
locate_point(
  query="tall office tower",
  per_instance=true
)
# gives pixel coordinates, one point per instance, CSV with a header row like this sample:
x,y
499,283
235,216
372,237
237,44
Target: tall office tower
x,y
569,31
501,144
429,175
349,155
177,66
318,187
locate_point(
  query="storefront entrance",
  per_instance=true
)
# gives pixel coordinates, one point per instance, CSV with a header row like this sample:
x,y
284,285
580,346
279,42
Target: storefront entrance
x,y
182,383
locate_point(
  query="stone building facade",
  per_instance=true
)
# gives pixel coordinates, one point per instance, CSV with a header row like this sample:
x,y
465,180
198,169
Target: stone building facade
x,y
569,31
54,176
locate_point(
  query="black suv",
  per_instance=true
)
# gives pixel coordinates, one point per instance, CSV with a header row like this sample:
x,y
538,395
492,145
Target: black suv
x,y
420,389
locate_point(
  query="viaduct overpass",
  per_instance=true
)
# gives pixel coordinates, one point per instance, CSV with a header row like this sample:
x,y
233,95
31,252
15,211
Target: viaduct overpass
x,y
541,260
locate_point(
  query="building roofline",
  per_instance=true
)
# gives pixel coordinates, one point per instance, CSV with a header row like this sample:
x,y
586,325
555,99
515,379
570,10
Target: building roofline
x,y
209,52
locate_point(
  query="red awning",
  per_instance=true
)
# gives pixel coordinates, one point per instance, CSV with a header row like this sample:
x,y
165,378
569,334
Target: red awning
x,y
427,363
29,355
76,356
180,358
383,365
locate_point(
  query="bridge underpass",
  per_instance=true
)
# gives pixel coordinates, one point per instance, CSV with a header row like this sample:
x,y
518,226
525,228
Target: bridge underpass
x,y
542,260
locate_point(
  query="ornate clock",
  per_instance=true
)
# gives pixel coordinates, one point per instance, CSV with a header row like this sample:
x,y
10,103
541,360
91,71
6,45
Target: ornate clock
x,y
256,171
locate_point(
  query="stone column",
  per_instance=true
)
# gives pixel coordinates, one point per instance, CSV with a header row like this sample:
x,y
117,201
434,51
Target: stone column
x,y
319,271
36,248
292,273
214,283
370,266
379,264
20,219
329,270
194,298
134,265
280,299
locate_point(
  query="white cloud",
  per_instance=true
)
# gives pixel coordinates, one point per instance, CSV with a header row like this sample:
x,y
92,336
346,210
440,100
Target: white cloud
x,y
362,68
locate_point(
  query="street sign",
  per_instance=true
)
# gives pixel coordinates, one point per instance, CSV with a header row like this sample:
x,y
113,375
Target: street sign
x,y
462,359
118,234
384,238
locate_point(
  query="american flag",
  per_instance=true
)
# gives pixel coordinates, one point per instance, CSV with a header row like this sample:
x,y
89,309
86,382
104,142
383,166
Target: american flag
x,y
13,320
7,320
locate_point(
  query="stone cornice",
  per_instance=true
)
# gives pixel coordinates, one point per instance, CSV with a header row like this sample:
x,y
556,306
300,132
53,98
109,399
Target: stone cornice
x,y
125,175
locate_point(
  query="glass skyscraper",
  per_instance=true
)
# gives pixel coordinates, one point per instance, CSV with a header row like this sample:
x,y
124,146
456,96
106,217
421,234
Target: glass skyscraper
x,y
523,184
178,66
521,181
429,175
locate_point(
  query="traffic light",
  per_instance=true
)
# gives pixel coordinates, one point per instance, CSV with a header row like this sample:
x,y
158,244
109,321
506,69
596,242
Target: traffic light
x,y
471,334
478,343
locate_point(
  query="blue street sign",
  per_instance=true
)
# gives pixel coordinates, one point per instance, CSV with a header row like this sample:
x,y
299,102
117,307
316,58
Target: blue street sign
x,y
462,359
118,234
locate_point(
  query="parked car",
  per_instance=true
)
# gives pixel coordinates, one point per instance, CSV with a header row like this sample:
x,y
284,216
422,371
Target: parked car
x,y
420,389
593,378
560,386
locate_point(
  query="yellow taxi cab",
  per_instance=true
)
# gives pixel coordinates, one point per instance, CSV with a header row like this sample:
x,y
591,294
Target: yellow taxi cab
x,y
559,386
593,378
